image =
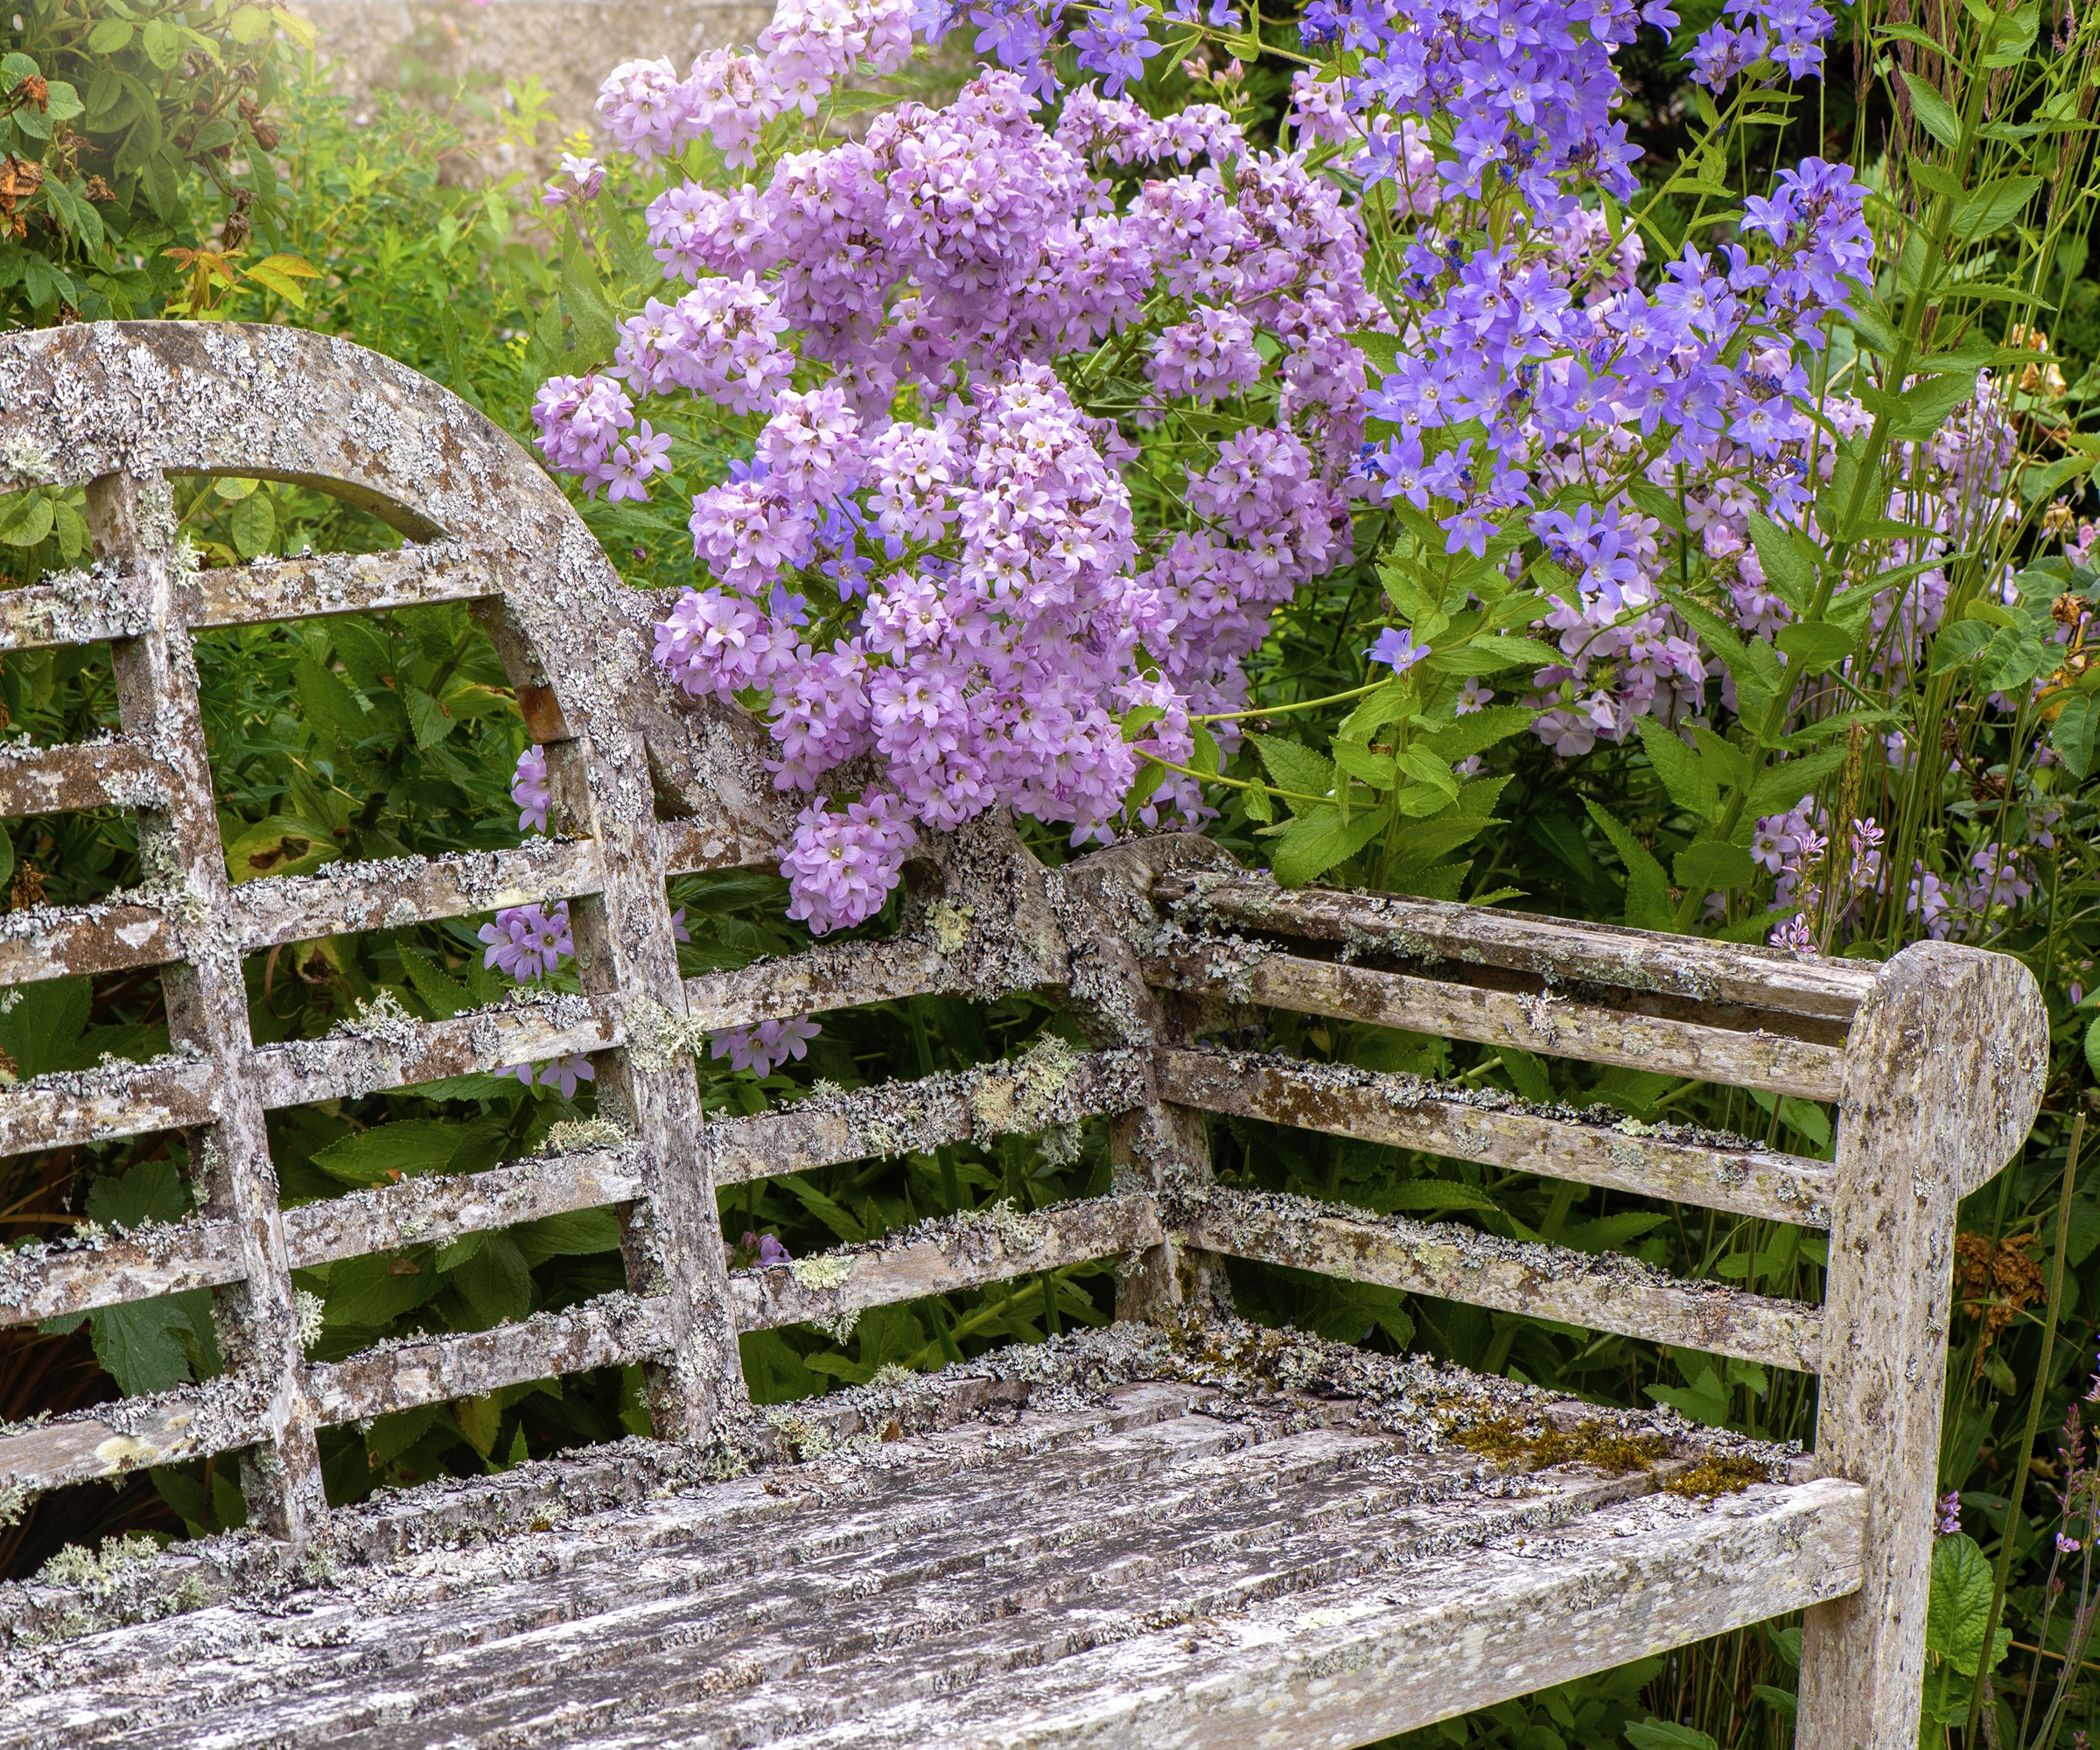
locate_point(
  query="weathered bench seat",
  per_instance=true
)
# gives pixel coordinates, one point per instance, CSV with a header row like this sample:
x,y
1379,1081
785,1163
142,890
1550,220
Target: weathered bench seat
x,y
1126,1539
1174,1531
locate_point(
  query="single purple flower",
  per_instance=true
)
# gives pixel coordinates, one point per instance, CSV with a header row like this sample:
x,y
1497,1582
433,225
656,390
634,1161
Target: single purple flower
x,y
1397,649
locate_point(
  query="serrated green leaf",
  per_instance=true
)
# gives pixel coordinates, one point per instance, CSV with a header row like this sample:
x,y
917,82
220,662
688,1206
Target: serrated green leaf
x,y
1648,905
1296,767
1713,866
407,1148
1692,784
2072,735
1381,352
1477,730
1783,785
27,518
1431,1193
428,720
1958,1604
1787,561
282,845
1318,840
1996,203
1812,646
1935,114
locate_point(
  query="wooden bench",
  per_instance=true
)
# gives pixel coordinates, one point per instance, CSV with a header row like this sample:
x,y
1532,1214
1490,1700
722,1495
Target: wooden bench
x,y
1177,1529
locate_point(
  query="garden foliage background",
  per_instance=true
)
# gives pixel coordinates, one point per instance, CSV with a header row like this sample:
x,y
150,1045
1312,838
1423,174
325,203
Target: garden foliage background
x,y
1859,444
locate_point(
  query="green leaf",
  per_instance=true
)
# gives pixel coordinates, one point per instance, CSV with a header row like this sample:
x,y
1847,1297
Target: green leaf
x,y
110,36
1492,655
1255,800
1960,643
1704,1400
1786,783
1788,562
249,24
835,1216
2072,735
1648,905
1996,204
445,995
1958,1606
144,1345
27,518
283,845
407,1148
1431,1193
1381,352
254,524
581,1232
594,329
1924,406
1318,840
1477,730
326,701
496,1282
1932,111
1814,646
1713,867
428,720
1686,775
1296,767
164,43
2092,1047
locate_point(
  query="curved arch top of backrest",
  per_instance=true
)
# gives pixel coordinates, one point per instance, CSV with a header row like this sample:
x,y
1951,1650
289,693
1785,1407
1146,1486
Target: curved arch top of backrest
x,y
260,402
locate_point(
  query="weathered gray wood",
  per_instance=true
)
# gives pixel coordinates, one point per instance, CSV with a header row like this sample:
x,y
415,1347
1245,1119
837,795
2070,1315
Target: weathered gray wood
x,y
1473,1125
1943,1074
73,1275
132,519
315,585
1130,1574
347,897
412,1371
113,773
1554,948
112,1439
397,1050
81,608
428,1212
1599,1291
943,1258
67,941
1552,1026
1051,1086
116,1100
830,976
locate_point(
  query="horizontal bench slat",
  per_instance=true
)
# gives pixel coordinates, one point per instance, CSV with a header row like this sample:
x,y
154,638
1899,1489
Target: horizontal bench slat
x,y
116,1100
607,1332
78,607
161,1257
347,897
319,583
848,975
1601,1292
343,1065
1555,948
943,1258
1410,1114
1023,1097
692,847
55,941
79,775
427,1212
113,1439
1555,1026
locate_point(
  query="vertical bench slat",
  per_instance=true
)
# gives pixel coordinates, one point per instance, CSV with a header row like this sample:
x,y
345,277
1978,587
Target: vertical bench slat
x,y
132,522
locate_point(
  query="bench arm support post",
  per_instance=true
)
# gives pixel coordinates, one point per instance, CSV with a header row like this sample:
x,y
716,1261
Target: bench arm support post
x,y
1942,1076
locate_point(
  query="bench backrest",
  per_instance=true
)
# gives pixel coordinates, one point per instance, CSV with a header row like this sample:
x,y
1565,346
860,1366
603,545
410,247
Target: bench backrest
x,y
1935,1060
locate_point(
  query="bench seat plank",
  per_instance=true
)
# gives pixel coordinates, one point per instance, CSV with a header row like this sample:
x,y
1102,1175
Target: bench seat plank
x,y
1117,1564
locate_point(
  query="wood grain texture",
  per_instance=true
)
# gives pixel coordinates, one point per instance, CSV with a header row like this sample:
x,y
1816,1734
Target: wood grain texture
x,y
1943,1074
70,941
1155,1566
1556,949
1555,1026
131,517
1463,1124
1598,1291
345,898
111,773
